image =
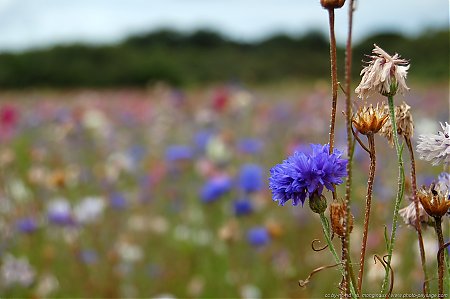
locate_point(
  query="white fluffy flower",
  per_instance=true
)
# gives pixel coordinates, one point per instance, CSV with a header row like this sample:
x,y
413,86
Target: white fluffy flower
x,y
89,209
384,74
435,148
408,214
16,271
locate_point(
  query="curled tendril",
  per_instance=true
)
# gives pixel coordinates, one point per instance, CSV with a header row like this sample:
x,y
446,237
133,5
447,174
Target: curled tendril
x,y
304,282
360,142
317,249
386,265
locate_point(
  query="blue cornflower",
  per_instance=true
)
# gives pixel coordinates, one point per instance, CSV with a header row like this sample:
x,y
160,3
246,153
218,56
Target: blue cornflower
x,y
118,201
250,145
306,174
179,152
26,225
215,188
258,236
251,178
242,207
201,139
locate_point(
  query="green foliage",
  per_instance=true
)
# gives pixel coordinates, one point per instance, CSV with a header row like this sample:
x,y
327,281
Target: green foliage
x,y
205,57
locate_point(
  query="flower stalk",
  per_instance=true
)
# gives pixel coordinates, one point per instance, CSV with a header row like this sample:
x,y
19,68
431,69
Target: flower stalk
x,y
327,234
350,145
400,189
416,207
440,258
370,138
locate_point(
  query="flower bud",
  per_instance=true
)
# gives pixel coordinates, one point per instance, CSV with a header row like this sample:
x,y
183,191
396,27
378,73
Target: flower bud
x,y
317,203
337,214
330,4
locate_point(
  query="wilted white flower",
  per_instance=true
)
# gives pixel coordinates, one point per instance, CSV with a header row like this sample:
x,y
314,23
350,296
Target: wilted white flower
x,y
16,271
443,183
405,124
89,209
408,214
384,74
435,148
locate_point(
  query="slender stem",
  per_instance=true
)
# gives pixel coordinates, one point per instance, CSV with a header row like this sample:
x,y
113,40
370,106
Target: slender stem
x,y
334,82
370,181
400,189
440,258
350,147
327,234
416,206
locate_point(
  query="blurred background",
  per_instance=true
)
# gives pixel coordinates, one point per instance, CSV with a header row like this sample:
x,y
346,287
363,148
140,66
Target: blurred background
x,y
136,139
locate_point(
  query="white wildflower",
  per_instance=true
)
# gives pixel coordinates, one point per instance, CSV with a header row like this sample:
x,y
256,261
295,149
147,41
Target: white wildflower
x,y
408,214
89,209
385,74
16,271
435,148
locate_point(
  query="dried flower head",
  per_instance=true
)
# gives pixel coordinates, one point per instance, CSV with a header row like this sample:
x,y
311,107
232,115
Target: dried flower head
x,y
369,120
384,74
435,148
435,201
337,214
330,4
405,124
408,214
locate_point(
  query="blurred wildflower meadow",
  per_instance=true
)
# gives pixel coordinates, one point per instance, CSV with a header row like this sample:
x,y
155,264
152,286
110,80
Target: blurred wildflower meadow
x,y
164,192
156,189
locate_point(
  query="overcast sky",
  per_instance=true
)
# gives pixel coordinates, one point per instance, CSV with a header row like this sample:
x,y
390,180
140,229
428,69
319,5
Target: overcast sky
x,y
39,23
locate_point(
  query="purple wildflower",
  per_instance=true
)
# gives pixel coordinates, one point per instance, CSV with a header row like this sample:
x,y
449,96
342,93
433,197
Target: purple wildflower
x,y
305,174
258,236
250,145
242,207
251,178
215,188
178,153
118,201
26,225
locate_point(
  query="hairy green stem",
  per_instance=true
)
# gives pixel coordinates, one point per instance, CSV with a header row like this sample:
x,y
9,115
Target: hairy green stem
x,y
400,190
350,146
370,181
327,234
416,207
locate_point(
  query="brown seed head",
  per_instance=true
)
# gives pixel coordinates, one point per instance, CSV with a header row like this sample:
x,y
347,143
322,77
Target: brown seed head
x,y
435,202
330,4
369,120
404,121
337,213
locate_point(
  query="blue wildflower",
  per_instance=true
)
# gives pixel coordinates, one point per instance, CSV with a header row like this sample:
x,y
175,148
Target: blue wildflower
x,y
118,201
306,174
215,188
201,139
179,152
250,145
251,178
258,236
242,207
88,256
26,225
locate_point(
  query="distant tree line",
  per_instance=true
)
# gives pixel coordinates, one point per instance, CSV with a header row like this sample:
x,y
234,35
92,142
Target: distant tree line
x,y
207,57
